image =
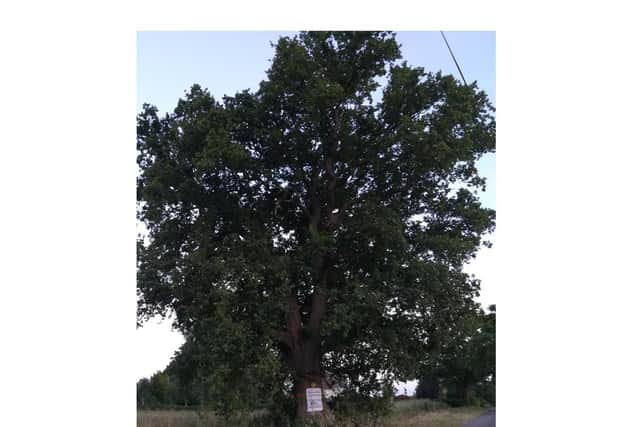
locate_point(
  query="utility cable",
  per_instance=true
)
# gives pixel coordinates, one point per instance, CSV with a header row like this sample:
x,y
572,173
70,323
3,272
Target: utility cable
x,y
454,58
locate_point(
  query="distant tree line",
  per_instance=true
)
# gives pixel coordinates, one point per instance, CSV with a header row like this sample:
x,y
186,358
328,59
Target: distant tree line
x,y
175,386
462,368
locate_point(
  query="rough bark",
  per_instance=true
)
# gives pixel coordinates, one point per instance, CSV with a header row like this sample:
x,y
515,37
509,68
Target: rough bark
x,y
300,387
304,357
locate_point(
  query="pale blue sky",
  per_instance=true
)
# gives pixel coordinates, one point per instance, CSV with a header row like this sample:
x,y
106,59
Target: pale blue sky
x,y
168,63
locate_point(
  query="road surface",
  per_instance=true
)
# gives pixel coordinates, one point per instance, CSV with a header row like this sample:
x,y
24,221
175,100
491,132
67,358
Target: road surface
x,y
485,420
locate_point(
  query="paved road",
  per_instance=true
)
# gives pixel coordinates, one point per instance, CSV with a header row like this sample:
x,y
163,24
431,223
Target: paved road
x,y
484,420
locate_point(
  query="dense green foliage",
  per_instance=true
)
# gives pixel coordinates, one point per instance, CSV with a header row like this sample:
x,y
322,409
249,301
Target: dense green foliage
x,y
156,392
463,368
177,385
305,231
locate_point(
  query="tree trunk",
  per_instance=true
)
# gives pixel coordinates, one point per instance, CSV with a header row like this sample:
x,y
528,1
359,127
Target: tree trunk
x,y
314,409
468,394
303,341
309,380
304,358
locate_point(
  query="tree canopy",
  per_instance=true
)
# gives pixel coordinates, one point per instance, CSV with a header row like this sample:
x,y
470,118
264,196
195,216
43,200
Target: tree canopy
x,y
317,226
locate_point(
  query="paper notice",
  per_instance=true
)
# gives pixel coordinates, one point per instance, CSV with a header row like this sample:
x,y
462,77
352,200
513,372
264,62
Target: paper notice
x,y
314,399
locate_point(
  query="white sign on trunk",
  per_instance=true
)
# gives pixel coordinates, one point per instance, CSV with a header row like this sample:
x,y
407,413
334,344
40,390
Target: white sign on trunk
x,y
314,399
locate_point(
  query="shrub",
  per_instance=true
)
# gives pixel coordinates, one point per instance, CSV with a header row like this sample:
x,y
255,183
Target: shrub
x,y
427,388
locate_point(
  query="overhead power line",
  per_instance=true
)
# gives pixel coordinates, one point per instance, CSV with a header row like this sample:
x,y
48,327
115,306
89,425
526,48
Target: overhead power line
x,y
454,57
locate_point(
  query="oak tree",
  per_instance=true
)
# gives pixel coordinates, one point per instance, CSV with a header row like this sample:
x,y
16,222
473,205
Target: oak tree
x,y
314,231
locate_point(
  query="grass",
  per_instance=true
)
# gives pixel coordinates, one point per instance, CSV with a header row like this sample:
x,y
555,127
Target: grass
x,y
445,417
189,418
183,418
407,413
410,406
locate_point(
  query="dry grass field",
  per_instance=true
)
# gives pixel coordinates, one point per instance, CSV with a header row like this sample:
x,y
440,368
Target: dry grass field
x,y
162,418
451,417
409,413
